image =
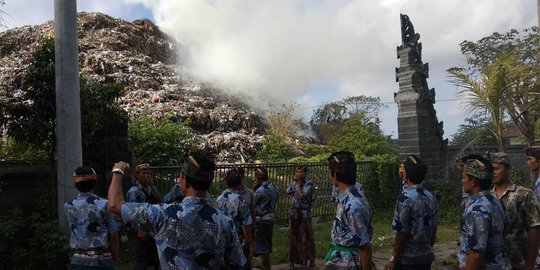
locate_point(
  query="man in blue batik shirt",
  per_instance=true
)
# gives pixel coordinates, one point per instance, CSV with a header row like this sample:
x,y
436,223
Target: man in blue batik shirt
x,y
266,197
175,195
484,221
236,207
351,232
301,240
145,252
415,221
191,234
94,230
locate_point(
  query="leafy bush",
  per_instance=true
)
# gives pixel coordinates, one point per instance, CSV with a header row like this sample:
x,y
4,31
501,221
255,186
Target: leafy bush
x,y
274,149
159,142
383,186
448,195
32,242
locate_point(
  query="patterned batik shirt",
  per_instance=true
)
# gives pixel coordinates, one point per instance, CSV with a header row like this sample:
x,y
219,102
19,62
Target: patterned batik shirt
x,y
334,197
521,206
236,207
175,195
266,197
139,193
482,229
90,225
249,196
416,216
351,229
189,235
301,205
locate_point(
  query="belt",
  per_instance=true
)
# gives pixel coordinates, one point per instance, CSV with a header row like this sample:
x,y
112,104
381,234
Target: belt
x,y
338,248
93,252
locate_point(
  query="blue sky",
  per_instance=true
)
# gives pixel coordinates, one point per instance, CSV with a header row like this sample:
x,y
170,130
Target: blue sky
x,y
312,51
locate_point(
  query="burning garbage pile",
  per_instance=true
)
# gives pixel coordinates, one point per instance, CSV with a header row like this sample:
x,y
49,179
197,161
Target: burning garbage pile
x,y
143,59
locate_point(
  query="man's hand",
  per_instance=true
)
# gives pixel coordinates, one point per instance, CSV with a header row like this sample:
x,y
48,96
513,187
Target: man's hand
x,y
390,265
124,166
115,195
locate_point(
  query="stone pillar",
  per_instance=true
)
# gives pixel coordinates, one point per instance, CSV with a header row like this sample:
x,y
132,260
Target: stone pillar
x,y
419,131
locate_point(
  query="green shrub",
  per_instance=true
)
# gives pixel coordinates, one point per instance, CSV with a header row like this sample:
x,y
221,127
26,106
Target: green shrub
x,y
382,185
32,242
448,195
158,142
274,149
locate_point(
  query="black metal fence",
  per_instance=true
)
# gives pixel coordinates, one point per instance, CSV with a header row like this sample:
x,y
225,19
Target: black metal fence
x,y
281,174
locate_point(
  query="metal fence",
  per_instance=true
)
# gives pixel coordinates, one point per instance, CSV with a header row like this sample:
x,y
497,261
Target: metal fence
x,y
281,174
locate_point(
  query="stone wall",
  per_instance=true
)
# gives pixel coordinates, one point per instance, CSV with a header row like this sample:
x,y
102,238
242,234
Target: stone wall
x,y
515,155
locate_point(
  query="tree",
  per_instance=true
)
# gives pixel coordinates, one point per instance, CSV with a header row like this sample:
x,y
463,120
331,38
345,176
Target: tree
x,y
484,92
159,142
30,118
475,130
362,138
325,118
284,123
275,149
521,53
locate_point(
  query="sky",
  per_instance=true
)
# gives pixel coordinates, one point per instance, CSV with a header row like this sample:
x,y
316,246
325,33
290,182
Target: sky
x,y
311,52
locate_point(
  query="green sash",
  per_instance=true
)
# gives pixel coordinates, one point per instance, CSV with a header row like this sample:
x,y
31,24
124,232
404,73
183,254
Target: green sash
x,y
338,248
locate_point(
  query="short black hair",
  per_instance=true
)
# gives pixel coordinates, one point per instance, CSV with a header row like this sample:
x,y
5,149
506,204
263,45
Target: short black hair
x,y
301,167
85,186
262,172
234,177
205,163
84,170
483,184
415,168
343,165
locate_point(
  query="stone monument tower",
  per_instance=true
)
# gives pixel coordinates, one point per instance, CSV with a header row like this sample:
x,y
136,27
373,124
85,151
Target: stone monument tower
x,y
420,133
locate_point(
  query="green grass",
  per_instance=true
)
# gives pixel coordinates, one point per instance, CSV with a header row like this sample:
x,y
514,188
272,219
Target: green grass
x,y
382,239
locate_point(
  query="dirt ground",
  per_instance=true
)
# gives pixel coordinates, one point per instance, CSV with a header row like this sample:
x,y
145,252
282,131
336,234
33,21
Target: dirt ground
x,y
445,254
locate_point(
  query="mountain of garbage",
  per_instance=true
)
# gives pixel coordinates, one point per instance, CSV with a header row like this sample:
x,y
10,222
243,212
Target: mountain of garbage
x,y
145,60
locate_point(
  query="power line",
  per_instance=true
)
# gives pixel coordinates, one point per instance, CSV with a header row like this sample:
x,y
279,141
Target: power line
x,y
382,102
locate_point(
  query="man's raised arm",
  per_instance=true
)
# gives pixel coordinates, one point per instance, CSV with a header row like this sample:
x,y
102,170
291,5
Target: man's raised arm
x,y
115,196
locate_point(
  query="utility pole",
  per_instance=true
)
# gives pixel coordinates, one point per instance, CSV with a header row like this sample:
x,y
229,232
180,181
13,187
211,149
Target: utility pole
x,y
68,105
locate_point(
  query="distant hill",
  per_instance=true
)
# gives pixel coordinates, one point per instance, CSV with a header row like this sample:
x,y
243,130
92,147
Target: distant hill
x,y
144,59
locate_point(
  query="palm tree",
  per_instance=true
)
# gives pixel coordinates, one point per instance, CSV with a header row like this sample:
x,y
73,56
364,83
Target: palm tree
x,y
485,92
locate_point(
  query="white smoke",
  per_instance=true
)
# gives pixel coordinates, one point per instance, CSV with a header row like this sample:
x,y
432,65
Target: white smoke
x,y
281,48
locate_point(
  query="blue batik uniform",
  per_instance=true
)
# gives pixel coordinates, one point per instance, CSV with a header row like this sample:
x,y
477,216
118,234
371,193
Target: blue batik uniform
x,y
90,225
335,192
482,229
189,235
236,207
301,205
139,193
416,216
175,195
266,197
351,230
